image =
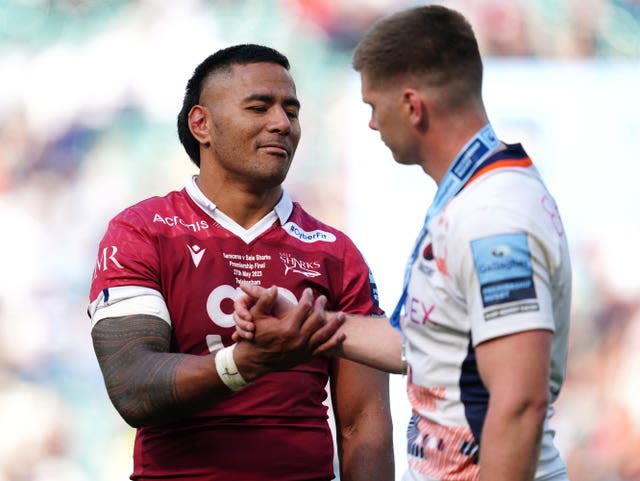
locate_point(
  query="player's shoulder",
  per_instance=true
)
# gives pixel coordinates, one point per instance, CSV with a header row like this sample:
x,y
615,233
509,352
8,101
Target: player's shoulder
x,y
309,229
507,200
147,211
510,188
498,195
301,216
509,184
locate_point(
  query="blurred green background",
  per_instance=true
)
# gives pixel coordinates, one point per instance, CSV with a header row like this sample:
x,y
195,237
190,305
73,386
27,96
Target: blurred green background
x,y
89,92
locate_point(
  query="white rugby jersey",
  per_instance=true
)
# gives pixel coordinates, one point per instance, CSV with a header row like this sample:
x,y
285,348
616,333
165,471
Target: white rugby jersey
x,y
495,261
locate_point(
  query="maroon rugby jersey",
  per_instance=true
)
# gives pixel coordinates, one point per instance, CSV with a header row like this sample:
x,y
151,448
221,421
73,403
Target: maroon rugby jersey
x,y
181,247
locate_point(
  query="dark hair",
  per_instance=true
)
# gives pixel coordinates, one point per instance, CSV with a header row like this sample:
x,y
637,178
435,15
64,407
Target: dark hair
x,y
219,61
432,43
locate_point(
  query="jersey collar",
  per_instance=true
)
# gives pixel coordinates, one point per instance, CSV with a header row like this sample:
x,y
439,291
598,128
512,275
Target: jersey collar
x,y
282,209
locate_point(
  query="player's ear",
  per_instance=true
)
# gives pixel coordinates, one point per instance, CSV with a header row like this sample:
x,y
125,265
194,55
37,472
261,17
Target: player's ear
x,y
415,108
198,120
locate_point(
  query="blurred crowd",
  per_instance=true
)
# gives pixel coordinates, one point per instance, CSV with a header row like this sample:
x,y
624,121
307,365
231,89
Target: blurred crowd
x,y
89,91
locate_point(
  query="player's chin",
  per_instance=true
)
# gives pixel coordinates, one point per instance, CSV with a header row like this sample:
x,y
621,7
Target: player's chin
x,y
279,165
273,177
395,153
403,158
398,158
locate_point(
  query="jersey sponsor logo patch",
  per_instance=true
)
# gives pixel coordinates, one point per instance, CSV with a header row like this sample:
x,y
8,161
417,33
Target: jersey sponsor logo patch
x,y
503,266
196,253
105,259
175,221
294,230
291,264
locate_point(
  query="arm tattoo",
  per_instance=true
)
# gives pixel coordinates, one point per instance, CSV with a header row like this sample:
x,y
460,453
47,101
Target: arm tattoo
x,y
139,373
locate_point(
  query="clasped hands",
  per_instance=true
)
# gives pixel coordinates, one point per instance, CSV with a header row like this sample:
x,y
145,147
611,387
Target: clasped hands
x,y
289,334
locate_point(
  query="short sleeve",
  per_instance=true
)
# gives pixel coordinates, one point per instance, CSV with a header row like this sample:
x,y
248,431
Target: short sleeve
x,y
500,265
359,290
127,257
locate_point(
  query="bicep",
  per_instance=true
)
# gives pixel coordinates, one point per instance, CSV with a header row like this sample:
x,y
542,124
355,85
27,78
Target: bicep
x,y
516,366
131,352
118,340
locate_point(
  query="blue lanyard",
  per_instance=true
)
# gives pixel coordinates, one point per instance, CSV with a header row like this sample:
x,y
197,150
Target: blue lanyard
x,y
466,163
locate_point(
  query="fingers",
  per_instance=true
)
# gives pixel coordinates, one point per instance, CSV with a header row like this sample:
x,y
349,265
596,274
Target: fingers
x,y
328,337
282,305
241,308
242,314
244,303
245,330
264,305
306,297
298,315
316,320
331,347
321,326
249,309
252,290
307,324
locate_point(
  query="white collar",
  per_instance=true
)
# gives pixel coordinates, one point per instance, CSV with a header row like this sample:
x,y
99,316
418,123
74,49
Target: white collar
x,y
281,211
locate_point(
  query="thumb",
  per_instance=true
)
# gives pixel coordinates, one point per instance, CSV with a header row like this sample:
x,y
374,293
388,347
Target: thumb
x,y
265,303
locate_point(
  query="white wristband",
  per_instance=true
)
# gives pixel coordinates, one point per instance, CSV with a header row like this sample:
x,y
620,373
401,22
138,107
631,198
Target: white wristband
x,y
227,369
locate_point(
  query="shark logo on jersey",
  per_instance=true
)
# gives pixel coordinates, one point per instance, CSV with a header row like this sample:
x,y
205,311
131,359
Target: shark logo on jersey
x,y
307,269
196,253
294,230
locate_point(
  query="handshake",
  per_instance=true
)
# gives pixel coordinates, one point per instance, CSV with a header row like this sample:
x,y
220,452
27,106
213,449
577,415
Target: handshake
x,y
273,334
289,333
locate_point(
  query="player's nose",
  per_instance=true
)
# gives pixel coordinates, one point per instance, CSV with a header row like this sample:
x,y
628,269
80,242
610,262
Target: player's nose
x,y
279,121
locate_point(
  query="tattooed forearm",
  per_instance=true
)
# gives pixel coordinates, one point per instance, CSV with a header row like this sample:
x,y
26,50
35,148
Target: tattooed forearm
x,y
139,373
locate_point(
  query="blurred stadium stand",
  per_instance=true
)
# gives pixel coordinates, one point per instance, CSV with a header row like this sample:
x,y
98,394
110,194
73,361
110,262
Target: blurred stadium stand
x,y
89,91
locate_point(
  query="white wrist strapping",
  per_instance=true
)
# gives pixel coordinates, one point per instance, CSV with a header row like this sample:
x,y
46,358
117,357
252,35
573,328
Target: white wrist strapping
x,y
227,369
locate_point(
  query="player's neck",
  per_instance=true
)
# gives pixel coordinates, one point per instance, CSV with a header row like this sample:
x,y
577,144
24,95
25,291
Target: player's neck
x,y
456,132
244,206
